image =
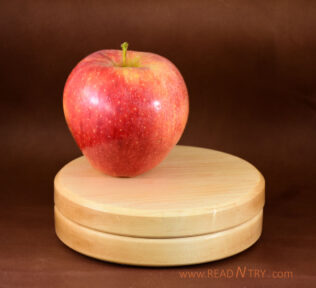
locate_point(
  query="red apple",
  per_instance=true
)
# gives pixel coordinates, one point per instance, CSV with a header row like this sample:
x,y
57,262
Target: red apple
x,y
125,110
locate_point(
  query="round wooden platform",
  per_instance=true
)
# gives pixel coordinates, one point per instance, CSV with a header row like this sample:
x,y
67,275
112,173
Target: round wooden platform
x,y
193,191
196,196
158,252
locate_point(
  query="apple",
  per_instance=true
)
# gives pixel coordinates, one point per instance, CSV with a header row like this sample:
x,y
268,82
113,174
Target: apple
x,y
125,109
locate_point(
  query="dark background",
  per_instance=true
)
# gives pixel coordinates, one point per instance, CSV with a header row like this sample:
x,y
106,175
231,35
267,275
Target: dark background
x,y
250,68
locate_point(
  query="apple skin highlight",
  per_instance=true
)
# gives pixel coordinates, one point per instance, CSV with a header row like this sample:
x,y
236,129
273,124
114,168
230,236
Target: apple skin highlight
x,y
125,117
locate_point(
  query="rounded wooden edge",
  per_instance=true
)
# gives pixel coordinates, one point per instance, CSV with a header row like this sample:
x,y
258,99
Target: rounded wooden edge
x,y
159,226
101,207
158,252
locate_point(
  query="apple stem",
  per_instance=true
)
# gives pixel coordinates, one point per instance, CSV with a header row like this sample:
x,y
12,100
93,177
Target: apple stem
x,y
124,48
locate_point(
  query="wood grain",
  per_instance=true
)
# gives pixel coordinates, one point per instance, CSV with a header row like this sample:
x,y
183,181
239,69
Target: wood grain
x,y
158,252
194,191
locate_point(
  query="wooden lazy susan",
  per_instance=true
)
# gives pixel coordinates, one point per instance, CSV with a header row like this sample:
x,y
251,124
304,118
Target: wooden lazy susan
x,y
198,205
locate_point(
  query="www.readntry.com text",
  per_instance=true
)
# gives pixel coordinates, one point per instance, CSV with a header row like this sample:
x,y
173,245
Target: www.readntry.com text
x,y
241,272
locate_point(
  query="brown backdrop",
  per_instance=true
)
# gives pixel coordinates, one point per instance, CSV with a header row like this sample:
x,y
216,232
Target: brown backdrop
x,y
250,69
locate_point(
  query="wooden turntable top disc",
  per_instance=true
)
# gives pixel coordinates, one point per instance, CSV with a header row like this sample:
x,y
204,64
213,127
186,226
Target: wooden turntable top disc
x,y
194,191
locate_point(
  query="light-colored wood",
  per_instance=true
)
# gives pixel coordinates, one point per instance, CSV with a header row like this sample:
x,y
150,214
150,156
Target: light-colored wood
x,y
158,252
194,191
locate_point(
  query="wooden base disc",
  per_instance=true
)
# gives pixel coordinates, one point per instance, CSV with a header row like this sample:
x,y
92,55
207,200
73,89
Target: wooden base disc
x,y
158,252
194,191
198,205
